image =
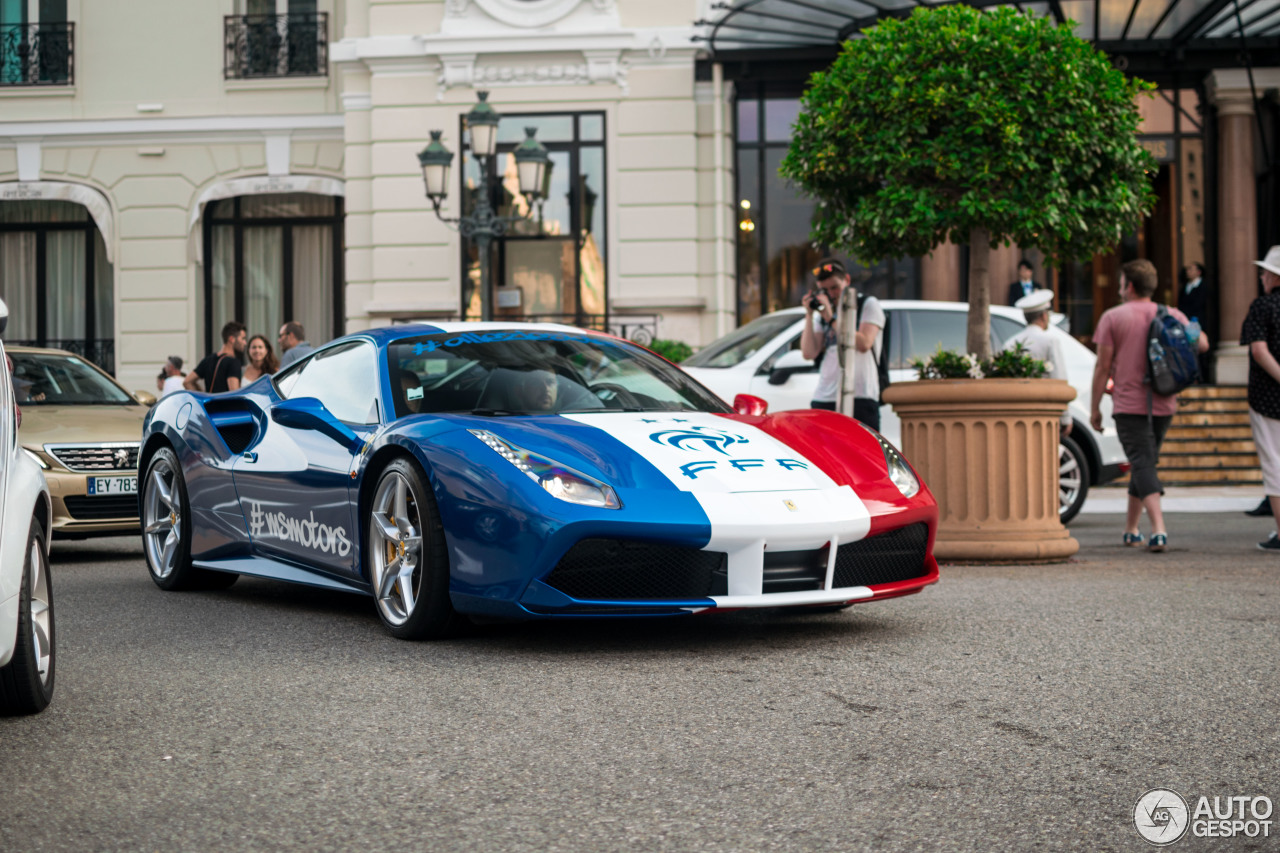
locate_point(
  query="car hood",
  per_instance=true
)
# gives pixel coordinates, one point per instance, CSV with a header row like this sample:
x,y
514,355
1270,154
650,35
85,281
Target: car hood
x,y
43,425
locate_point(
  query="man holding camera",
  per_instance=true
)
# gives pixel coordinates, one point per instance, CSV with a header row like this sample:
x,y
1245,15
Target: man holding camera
x,y
819,340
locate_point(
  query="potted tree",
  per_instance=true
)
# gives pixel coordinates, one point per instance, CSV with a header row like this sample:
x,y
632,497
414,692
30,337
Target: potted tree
x,y
978,127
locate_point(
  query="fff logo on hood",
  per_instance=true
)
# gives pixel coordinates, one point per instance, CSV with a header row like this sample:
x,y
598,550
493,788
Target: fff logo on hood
x,y
698,438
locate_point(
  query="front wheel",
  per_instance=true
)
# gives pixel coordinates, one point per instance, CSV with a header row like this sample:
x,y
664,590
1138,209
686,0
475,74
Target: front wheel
x,y
406,558
26,681
1073,478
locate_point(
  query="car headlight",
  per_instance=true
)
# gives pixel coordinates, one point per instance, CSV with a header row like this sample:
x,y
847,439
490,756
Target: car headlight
x,y
559,480
36,456
899,471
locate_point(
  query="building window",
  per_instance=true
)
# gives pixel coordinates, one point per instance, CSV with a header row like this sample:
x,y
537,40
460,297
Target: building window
x,y
270,259
551,266
35,53
276,38
774,253
56,280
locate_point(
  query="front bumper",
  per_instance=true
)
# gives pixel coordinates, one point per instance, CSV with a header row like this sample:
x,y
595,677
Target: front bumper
x,y
77,514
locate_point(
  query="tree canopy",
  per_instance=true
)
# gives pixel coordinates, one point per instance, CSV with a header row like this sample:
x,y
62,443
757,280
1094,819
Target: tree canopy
x,y
971,126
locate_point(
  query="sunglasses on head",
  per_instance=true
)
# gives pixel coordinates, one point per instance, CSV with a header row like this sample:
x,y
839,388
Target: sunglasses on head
x,y
825,269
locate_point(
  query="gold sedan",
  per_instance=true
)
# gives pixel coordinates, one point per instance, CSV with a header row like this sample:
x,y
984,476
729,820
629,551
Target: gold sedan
x,y
83,428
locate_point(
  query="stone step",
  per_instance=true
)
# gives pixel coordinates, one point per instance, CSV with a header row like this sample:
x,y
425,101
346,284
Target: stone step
x,y
1208,461
1213,419
1198,446
1188,432
1210,391
1201,477
1214,404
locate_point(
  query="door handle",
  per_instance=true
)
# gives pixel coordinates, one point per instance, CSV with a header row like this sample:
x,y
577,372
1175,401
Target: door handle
x,y
250,456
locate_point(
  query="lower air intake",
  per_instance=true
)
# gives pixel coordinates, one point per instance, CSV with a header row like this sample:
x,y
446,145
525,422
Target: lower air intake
x,y
622,570
897,555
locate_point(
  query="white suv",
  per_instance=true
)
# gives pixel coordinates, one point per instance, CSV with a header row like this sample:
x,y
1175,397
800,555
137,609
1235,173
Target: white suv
x,y
26,593
763,358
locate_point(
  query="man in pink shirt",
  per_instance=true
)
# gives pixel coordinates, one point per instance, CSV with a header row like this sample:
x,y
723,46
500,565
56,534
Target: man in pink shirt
x,y
1142,417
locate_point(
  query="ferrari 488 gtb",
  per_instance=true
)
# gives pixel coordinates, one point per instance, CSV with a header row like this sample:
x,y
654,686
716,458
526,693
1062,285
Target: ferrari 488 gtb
x,y
524,471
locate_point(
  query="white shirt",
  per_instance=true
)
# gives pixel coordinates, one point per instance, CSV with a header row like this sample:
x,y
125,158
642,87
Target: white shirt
x,y
171,384
1044,345
866,380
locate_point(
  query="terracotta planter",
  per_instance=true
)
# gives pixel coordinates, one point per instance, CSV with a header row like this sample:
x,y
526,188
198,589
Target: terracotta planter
x,y
988,450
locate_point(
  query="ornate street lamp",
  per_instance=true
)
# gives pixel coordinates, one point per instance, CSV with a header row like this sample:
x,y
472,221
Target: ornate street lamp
x,y
483,225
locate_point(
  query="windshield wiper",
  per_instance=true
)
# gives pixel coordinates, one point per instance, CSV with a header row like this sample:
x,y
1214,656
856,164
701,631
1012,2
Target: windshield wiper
x,y
497,413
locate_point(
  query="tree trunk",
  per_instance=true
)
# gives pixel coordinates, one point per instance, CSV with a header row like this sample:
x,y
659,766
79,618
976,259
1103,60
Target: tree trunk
x,y
979,332
848,347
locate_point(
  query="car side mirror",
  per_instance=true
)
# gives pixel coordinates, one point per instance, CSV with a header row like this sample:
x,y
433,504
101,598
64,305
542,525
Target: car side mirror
x,y
310,413
749,404
788,364
146,398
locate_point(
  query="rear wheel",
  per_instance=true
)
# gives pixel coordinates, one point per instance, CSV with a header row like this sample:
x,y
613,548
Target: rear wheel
x,y
406,558
26,681
1073,478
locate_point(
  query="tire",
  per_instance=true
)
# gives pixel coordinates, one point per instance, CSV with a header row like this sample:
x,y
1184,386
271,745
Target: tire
x,y
1073,478
405,556
166,529
26,682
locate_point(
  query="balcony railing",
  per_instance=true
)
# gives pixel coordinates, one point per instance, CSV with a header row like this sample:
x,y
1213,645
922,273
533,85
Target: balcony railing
x,y
36,54
259,46
100,351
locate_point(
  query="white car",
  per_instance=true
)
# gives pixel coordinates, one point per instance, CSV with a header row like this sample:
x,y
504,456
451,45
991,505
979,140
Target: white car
x,y
763,358
26,593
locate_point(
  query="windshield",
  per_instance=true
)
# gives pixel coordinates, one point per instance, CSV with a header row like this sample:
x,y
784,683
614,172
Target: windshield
x,y
536,372
736,347
41,379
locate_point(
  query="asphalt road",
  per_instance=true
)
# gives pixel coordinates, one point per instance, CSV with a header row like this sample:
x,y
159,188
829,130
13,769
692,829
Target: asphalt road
x,y
1006,708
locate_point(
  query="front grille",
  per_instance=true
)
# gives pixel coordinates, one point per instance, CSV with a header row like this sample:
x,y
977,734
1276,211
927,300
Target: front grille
x,y
96,458
96,509
794,571
618,569
894,556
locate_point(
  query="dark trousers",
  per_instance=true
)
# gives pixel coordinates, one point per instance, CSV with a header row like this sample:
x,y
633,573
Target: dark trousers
x,y
1141,437
864,409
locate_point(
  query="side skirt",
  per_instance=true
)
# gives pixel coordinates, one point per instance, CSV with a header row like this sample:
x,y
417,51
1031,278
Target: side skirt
x,y
259,567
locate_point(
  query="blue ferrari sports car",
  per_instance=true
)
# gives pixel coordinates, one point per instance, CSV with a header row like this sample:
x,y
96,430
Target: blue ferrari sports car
x,y
527,471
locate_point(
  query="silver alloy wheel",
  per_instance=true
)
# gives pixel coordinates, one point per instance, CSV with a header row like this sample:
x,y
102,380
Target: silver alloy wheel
x,y
397,548
162,516
1070,478
41,614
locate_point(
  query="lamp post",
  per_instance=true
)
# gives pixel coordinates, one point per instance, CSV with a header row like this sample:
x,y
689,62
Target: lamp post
x,y
483,224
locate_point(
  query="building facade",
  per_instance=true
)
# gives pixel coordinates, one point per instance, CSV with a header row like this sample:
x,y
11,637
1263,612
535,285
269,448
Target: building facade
x,y
166,167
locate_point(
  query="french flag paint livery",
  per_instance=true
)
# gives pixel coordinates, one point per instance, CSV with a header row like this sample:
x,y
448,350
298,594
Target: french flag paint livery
x,y
757,493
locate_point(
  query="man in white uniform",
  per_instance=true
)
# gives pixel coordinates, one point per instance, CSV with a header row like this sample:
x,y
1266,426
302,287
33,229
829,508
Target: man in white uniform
x,y
1039,342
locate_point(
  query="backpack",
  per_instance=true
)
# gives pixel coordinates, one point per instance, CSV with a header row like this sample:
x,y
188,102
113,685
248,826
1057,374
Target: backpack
x,y
1172,362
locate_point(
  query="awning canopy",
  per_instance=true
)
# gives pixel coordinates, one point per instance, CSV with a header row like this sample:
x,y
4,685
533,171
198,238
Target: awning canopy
x,y
1224,33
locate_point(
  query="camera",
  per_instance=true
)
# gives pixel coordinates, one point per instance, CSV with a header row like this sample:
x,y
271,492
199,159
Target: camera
x,y
812,302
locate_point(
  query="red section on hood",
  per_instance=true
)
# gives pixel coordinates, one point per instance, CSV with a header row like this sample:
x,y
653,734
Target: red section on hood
x,y
850,455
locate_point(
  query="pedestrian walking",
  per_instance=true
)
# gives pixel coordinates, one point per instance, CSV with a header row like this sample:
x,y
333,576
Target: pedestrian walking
x,y
293,343
221,371
1142,417
262,359
1041,343
1261,334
